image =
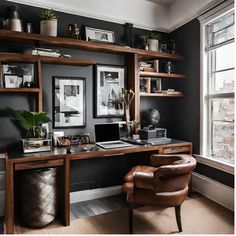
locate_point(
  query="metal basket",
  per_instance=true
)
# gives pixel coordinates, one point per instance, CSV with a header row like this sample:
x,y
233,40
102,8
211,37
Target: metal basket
x,y
38,197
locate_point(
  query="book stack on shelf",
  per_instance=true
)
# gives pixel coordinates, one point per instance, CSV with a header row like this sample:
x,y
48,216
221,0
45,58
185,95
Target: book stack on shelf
x,y
149,66
43,52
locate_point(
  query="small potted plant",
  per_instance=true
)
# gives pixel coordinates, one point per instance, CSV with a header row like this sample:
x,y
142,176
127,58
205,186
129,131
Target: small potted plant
x,y
153,41
31,122
48,23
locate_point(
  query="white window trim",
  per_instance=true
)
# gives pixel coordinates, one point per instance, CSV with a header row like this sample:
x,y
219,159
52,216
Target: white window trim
x,y
205,19
229,168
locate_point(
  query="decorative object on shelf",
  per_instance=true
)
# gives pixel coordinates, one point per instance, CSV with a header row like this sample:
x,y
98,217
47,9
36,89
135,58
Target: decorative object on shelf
x,y
36,134
145,38
109,82
153,41
143,85
13,21
99,35
169,67
48,23
156,85
127,38
69,102
163,48
73,31
149,118
172,47
17,75
128,97
29,28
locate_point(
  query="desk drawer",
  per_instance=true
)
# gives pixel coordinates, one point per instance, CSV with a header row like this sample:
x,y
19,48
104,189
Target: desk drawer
x,y
38,164
179,149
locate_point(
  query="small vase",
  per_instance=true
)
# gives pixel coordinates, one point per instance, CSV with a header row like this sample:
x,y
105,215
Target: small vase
x,y
48,27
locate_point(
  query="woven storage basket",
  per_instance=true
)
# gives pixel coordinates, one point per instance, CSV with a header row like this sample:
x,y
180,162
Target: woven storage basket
x,y
38,197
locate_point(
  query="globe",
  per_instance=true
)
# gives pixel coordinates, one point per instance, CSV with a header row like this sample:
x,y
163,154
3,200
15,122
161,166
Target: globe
x,y
150,117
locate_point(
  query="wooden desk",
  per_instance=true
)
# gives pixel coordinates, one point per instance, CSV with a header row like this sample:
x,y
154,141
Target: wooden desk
x,y
58,157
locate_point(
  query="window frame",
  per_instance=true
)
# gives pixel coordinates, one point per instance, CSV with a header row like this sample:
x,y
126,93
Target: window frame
x,y
205,19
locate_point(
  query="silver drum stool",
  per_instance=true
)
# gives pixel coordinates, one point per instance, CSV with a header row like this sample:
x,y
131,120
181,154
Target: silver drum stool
x,y
38,197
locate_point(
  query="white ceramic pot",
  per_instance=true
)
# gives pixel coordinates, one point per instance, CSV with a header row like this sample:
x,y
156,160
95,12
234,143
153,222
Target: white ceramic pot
x,y
48,27
153,45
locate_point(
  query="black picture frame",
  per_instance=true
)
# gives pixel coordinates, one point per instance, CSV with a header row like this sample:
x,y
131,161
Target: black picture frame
x,y
69,102
109,81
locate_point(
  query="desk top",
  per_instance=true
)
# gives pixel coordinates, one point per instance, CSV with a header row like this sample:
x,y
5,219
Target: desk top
x,y
91,151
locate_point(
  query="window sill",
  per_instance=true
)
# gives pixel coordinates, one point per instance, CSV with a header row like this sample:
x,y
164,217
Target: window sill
x,y
229,168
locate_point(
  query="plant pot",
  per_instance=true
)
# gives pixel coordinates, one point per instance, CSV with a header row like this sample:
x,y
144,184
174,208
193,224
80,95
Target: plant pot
x,y
153,45
48,27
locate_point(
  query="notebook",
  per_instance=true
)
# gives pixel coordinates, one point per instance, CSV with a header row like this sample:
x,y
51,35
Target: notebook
x,y
108,136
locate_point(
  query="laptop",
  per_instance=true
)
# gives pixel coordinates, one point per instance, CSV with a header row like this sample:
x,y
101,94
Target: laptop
x,y
107,136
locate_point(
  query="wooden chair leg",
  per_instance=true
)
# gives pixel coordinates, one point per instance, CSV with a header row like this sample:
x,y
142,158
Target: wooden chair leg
x,y
178,217
130,218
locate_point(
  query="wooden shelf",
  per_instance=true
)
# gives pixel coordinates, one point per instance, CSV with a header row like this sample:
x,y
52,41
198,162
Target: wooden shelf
x,y
39,39
19,90
14,57
161,95
162,75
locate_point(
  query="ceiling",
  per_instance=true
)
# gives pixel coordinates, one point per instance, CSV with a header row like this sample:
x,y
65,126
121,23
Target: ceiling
x,y
166,3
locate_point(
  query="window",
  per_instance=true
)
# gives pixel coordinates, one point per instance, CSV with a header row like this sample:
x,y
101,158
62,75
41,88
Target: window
x,y
218,88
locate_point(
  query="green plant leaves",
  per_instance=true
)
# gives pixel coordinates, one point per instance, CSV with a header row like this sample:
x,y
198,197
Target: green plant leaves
x,y
30,121
48,15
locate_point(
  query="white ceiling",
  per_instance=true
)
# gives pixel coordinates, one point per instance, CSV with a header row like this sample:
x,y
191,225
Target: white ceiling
x,y
165,3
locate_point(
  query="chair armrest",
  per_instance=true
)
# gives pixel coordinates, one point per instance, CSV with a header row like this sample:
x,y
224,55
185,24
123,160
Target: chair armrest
x,y
141,176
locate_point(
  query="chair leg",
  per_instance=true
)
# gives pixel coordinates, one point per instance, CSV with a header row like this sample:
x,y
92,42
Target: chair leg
x,y
130,218
178,217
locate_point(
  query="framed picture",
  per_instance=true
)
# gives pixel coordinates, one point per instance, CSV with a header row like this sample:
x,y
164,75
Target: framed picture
x,y
109,83
99,35
17,75
69,102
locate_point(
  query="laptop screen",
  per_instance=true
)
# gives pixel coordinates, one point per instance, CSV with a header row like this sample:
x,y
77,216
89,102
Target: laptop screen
x,y
107,132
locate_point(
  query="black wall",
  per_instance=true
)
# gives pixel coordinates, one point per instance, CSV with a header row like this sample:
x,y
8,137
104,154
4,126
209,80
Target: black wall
x,y
185,121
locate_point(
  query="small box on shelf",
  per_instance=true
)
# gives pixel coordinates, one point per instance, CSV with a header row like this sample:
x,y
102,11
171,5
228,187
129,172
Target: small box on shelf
x,y
36,145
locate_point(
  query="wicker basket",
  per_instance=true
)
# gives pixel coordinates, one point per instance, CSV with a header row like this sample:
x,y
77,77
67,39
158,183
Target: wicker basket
x,y
38,197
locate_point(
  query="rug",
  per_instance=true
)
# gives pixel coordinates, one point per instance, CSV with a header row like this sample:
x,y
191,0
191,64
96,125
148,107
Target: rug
x,y
199,216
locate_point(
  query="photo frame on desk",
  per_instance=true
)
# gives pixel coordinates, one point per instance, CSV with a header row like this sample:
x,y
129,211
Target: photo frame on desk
x,y
18,75
69,102
99,35
109,83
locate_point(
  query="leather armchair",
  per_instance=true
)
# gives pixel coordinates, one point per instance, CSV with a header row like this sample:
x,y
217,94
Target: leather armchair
x,y
164,183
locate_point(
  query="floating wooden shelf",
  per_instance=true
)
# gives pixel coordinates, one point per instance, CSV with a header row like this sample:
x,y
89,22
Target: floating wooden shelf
x,y
14,57
39,39
20,90
162,75
161,95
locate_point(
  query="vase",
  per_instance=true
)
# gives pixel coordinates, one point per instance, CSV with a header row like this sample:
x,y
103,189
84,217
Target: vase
x,y
153,45
48,27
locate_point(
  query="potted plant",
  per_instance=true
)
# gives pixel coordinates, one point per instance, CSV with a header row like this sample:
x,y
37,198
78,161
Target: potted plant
x,y
31,122
48,23
153,41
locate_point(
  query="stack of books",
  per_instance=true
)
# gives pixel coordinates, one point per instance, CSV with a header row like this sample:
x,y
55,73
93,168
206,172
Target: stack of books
x,y
149,66
43,52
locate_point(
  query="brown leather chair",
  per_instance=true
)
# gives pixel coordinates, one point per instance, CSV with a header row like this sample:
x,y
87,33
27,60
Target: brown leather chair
x,y
164,183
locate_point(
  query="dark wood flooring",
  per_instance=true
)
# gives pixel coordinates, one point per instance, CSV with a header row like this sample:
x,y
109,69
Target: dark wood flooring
x,y
91,207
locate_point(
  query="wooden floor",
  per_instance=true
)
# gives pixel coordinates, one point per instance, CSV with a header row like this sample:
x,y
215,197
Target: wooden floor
x,y
91,207
97,206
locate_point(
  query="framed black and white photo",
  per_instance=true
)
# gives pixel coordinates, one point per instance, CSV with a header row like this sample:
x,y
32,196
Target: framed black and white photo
x,y
17,75
109,83
69,102
99,35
